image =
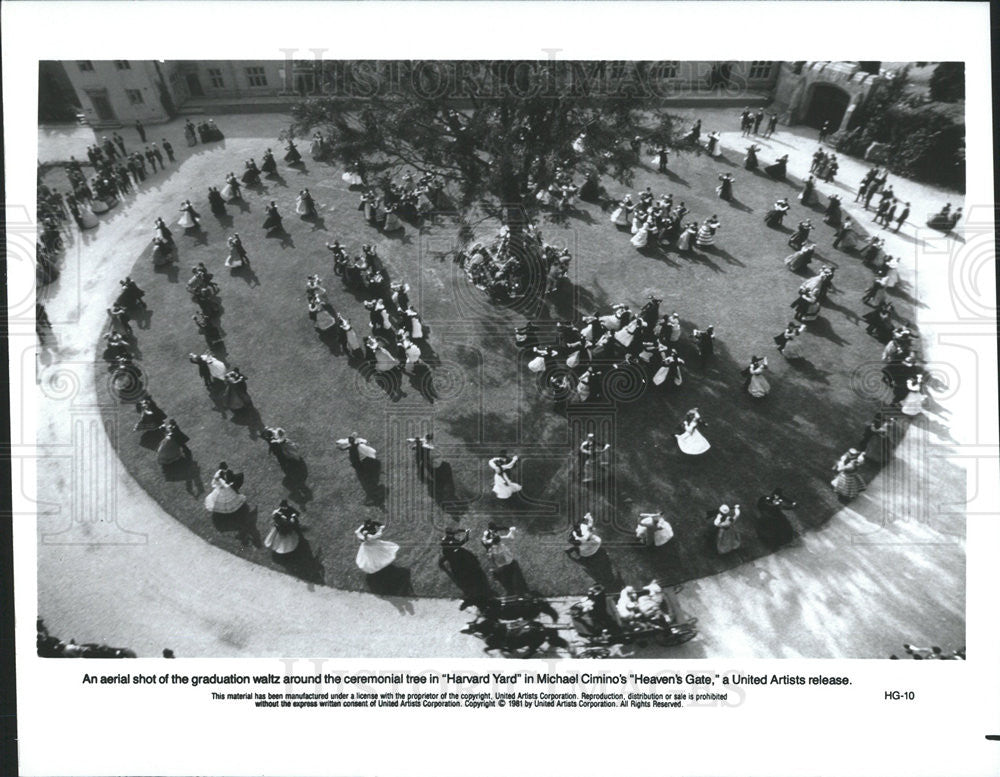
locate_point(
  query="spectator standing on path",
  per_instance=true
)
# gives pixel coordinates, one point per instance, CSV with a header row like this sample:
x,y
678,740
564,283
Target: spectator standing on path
x,y
772,125
141,130
903,215
158,154
168,148
757,121
824,131
151,157
120,142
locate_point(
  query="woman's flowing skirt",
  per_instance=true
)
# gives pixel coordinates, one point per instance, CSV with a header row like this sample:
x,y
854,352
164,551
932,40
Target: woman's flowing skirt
x,y
352,179
684,241
727,539
611,322
758,386
228,192
619,217
792,349
234,398
98,206
692,442
187,221
374,555
500,555
797,261
169,451
281,542
913,404
353,341
654,533
504,488
848,484
272,222
234,259
640,238
316,149
589,545
293,156
191,139
162,255
392,223
324,321
87,219
223,499
384,361
705,237
289,450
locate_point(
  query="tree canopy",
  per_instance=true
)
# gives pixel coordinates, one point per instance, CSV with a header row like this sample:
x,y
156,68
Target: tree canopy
x,y
496,132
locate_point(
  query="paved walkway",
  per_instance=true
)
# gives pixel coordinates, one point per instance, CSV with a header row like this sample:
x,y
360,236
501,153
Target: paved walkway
x,y
114,567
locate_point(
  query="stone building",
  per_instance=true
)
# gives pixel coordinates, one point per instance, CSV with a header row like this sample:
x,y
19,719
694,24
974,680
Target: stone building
x,y
815,92
116,92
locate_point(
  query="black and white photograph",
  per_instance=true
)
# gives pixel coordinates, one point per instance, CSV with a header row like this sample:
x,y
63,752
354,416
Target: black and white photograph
x,y
526,359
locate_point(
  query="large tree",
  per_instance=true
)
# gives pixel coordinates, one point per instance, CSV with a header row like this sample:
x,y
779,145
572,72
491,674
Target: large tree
x,y
494,131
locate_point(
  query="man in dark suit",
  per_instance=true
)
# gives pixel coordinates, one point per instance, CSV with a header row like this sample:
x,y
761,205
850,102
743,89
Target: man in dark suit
x,y
141,130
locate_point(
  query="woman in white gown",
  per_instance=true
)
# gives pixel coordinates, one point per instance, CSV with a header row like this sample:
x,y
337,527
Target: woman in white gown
x,y
727,537
384,361
913,403
501,465
496,540
690,440
215,366
891,271
374,553
653,530
756,384
689,233
641,237
189,216
231,191
223,497
584,540
620,215
284,535
357,448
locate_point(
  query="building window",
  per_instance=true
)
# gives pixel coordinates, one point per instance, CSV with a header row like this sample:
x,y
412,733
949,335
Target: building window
x,y
85,65
256,77
134,96
215,77
122,64
760,69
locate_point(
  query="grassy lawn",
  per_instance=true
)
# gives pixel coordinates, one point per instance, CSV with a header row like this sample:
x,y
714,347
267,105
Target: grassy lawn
x,y
481,398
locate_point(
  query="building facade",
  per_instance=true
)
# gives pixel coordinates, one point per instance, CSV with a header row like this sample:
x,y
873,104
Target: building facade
x,y
813,93
116,92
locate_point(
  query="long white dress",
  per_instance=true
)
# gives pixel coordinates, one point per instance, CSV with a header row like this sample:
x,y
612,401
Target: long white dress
x,y
641,237
186,220
913,403
223,499
619,216
503,486
759,387
793,348
228,192
365,451
384,361
627,333
653,529
217,368
589,542
352,178
374,553
691,441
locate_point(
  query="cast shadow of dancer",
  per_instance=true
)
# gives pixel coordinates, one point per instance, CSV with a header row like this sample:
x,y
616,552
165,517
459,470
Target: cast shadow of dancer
x,y
369,472
296,473
243,523
186,469
465,571
511,578
303,562
395,584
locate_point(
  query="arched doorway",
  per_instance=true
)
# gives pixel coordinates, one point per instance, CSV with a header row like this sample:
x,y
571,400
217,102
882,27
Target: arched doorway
x,y
827,103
